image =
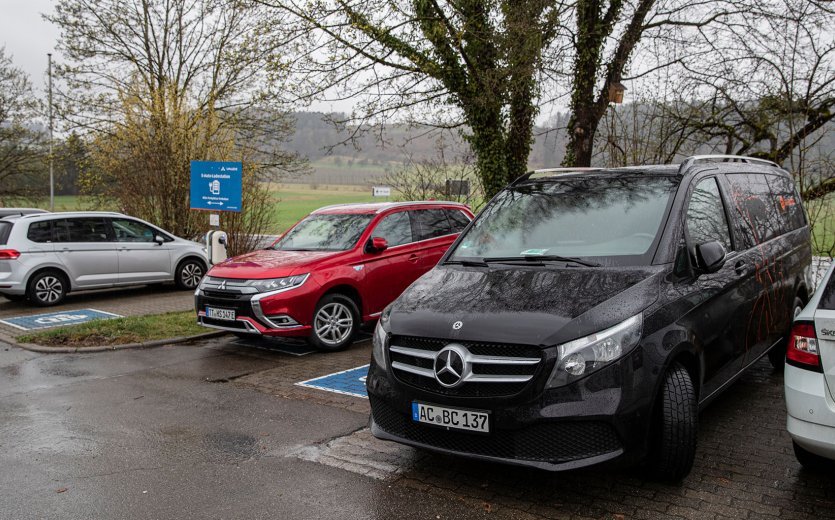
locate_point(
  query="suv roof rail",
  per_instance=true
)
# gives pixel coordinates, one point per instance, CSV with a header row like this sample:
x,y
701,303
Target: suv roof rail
x,y
557,171
724,158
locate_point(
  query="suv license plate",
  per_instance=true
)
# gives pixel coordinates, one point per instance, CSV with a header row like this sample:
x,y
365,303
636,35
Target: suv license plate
x,y
469,420
220,314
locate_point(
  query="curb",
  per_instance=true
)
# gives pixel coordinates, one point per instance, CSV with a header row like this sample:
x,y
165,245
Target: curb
x,y
104,348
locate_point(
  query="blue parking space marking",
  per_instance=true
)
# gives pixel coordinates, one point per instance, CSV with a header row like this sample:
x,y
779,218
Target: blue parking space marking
x,y
57,319
348,382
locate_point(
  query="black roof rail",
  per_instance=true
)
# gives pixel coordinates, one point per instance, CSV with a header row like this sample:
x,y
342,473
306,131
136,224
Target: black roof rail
x,y
724,158
528,175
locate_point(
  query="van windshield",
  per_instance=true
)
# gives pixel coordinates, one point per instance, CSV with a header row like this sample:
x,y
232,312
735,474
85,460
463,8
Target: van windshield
x,y
5,230
613,220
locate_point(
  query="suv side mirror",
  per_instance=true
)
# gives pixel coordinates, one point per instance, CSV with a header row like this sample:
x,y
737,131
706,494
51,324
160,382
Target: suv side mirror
x,y
710,256
377,245
159,240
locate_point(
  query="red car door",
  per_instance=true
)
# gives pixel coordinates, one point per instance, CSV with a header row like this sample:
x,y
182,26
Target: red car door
x,y
389,272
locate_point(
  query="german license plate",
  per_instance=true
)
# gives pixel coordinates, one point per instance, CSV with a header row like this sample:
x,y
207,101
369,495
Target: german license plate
x,y
469,420
220,314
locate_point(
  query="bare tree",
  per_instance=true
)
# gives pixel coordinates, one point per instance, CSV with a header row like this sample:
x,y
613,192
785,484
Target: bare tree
x,y
159,83
769,90
22,142
450,175
472,65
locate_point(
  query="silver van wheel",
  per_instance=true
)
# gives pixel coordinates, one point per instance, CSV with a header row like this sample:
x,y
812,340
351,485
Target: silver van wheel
x,y
333,324
189,274
49,289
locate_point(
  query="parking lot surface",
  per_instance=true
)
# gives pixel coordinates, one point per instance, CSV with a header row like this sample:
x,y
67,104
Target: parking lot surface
x,y
134,301
220,429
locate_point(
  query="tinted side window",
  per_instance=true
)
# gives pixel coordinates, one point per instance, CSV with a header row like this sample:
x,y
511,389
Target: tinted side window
x,y
395,228
431,223
457,219
706,219
5,231
40,231
788,203
132,231
87,230
828,297
753,208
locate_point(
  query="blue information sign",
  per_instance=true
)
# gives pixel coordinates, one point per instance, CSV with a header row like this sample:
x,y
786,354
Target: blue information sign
x,y
216,186
348,382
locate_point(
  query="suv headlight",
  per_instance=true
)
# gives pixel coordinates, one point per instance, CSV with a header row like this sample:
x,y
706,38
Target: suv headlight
x,y
276,284
380,339
581,357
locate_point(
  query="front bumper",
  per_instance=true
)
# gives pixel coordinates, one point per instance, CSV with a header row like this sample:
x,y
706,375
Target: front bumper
x,y
589,422
811,411
281,315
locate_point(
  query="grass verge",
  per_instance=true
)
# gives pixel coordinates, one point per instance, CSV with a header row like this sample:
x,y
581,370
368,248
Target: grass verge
x,y
118,331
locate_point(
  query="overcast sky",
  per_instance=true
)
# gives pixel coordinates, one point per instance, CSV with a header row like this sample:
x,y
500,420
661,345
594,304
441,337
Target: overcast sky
x,y
27,37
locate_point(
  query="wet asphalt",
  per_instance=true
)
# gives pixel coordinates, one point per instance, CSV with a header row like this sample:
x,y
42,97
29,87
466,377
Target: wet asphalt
x,y
160,433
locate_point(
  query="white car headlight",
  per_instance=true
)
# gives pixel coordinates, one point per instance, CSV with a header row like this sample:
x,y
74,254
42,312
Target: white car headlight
x,y
581,357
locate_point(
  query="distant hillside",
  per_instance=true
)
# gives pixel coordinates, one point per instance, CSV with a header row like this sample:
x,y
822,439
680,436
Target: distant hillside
x,y
336,160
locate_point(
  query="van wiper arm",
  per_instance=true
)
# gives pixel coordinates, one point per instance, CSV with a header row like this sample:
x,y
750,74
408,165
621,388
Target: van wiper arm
x,y
540,258
473,262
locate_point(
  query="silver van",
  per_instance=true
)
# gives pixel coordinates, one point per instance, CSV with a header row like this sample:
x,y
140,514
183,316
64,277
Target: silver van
x,y
45,256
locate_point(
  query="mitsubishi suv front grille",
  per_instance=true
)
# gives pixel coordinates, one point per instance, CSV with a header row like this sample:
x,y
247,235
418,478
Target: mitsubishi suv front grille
x,y
478,369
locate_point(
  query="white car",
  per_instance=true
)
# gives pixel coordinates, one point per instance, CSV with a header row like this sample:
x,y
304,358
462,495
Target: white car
x,y
810,377
45,256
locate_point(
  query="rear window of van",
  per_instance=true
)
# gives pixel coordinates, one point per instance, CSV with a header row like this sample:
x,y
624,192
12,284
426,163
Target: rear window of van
x,y
5,230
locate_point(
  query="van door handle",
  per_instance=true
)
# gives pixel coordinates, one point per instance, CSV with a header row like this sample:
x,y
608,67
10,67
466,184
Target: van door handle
x,y
414,258
741,267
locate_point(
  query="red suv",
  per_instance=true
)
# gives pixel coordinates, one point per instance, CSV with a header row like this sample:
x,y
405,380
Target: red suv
x,y
333,271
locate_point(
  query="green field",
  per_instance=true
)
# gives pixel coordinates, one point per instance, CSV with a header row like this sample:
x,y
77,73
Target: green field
x,y
294,201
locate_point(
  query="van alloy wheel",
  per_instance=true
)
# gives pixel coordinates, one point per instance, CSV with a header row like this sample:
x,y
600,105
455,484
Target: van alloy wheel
x,y
333,324
49,289
191,275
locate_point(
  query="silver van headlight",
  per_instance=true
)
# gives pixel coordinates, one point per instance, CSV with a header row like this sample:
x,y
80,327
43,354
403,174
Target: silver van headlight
x,y
581,357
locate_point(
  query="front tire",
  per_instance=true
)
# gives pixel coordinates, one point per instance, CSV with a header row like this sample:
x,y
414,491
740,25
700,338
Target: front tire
x,y
189,273
47,288
674,424
777,355
335,322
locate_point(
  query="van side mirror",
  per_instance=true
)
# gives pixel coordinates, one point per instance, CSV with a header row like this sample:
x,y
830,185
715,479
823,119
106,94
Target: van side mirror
x,y
159,240
377,245
710,256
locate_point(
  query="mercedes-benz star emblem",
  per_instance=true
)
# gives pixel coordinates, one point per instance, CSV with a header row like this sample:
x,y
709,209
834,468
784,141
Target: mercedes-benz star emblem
x,y
457,325
450,366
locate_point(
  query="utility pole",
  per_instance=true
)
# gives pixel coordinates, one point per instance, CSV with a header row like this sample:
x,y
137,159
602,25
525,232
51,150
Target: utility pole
x,y
51,170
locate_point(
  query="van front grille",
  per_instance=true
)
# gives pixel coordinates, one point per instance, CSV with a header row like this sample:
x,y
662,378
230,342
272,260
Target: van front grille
x,y
488,370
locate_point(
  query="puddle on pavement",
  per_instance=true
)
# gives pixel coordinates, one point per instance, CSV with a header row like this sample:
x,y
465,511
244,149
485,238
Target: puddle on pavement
x,y
236,445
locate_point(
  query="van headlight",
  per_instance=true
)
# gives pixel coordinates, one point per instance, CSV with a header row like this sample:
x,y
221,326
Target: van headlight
x,y
380,339
581,357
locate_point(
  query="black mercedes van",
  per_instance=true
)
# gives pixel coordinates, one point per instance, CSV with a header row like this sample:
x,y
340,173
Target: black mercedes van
x,y
586,315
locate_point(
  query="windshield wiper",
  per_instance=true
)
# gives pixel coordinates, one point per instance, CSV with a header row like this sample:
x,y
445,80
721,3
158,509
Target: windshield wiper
x,y
539,258
475,262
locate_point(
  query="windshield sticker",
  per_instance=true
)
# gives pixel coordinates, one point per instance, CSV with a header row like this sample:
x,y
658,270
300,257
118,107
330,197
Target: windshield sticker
x,y
528,252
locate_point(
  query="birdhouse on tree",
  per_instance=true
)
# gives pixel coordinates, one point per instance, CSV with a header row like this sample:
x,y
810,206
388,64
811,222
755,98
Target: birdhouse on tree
x,y
616,90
